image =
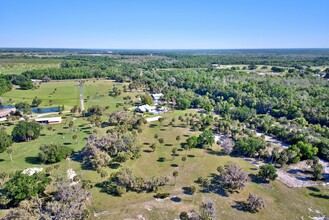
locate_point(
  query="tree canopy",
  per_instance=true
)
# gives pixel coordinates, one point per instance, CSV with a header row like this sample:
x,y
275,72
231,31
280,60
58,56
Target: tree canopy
x,y
26,131
22,186
53,153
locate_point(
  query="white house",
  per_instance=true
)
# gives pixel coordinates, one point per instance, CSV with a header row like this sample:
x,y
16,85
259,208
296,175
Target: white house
x,y
144,108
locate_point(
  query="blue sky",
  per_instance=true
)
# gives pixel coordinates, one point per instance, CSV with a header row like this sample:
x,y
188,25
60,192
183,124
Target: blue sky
x,y
164,24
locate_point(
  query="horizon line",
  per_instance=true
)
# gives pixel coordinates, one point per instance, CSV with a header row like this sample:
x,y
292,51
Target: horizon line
x,y
89,48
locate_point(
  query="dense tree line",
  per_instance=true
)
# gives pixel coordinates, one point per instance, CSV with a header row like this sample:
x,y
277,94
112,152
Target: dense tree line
x,y
5,86
205,61
292,107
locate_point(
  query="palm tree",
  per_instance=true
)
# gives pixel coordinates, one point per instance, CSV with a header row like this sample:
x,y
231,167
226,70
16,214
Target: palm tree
x,y
71,124
206,183
187,147
192,190
178,138
174,150
153,146
205,147
10,151
74,137
139,131
184,159
161,120
175,174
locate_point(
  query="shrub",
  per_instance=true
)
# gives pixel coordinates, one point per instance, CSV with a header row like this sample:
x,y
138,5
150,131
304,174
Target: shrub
x,y
161,195
5,141
267,172
21,186
53,153
26,131
255,203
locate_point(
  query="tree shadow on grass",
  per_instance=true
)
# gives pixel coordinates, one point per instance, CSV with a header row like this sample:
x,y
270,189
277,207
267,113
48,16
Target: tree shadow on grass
x,y
86,166
114,165
186,190
216,152
86,128
100,186
215,186
241,206
168,145
190,156
105,124
145,143
147,151
321,196
67,143
254,178
312,188
78,157
1,160
296,171
152,125
174,165
33,160
161,159
176,199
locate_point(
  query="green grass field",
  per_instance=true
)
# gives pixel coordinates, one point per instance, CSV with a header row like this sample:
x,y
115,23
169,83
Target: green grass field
x,y
66,94
19,65
294,206
281,201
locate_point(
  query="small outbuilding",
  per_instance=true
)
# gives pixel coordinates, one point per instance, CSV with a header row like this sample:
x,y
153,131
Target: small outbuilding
x,y
51,121
157,96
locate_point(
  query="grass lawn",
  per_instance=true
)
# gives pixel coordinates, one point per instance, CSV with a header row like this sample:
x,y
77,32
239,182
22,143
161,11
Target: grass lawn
x,y
19,65
25,153
66,92
97,93
60,93
130,205
281,201
12,71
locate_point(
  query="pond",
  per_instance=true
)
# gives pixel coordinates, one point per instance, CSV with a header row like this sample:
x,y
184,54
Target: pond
x,y
35,109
